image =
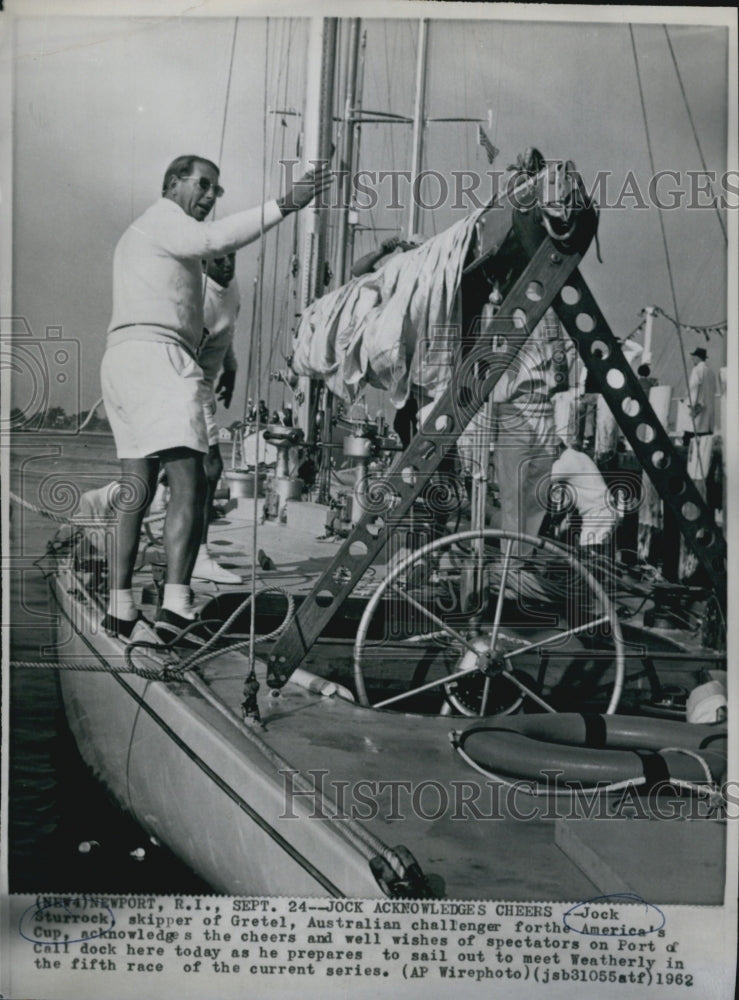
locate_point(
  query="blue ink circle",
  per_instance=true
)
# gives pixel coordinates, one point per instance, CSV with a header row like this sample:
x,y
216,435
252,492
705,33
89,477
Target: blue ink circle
x,y
63,905
623,898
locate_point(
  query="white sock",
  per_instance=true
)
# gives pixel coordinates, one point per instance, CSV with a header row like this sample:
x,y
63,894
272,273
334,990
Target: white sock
x,y
177,598
122,605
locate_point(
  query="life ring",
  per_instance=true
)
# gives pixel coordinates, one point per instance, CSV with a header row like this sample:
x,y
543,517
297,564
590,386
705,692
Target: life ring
x,y
561,749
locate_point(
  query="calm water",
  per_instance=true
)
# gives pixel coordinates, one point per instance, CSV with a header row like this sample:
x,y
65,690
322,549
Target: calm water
x,y
55,805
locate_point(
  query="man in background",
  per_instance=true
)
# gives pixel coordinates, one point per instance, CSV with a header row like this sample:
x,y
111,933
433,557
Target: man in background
x,y
702,393
646,379
524,429
702,403
585,491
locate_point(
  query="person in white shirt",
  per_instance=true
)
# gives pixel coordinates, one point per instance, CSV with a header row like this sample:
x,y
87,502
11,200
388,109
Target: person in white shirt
x,y
587,492
702,402
152,384
216,354
524,428
702,393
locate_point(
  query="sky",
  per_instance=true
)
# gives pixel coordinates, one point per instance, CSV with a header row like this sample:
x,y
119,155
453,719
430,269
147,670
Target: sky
x,y
102,104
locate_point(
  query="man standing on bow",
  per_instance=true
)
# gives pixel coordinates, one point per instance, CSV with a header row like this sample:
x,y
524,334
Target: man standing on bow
x,y
152,384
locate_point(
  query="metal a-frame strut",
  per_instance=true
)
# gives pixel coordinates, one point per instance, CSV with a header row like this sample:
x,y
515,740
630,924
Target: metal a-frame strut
x,y
550,278
619,386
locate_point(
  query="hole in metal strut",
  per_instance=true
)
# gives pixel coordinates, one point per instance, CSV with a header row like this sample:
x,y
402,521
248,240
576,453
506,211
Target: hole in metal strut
x,y
630,406
324,598
645,433
584,322
599,350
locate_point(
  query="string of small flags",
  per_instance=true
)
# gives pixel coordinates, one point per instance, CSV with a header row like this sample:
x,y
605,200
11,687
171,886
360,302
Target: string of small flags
x,y
635,330
717,329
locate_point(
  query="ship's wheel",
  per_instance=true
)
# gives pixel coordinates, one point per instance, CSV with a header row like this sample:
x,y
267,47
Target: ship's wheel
x,y
489,622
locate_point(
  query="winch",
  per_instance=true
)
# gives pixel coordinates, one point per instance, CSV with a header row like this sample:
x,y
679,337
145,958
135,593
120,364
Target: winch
x,y
283,486
364,443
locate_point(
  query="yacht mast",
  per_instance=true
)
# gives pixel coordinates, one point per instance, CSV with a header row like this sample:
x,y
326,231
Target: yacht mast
x,y
343,260
419,123
317,145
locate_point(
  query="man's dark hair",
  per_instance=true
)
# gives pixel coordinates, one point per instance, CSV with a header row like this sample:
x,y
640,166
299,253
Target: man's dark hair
x,y
643,370
182,166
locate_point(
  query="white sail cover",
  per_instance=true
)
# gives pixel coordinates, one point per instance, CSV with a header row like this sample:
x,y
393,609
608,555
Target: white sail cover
x,y
390,328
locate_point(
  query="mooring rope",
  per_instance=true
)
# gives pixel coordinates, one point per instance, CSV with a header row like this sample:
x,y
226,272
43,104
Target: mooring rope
x,y
61,519
34,508
90,415
93,668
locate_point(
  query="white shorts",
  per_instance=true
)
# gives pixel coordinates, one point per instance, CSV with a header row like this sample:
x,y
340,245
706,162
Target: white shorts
x,y
153,395
209,412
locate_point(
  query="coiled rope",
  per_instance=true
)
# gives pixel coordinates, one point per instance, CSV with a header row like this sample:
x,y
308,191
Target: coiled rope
x,y
206,652
165,671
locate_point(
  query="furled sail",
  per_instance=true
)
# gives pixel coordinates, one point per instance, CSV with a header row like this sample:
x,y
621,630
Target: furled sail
x,y
389,328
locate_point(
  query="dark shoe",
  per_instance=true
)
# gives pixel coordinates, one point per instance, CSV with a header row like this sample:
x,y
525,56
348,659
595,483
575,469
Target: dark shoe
x,y
120,627
264,560
169,627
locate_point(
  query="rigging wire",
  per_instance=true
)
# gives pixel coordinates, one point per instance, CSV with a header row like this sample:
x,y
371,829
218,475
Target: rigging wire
x,y
228,89
260,300
223,133
290,289
466,130
692,125
250,366
498,85
389,130
408,151
668,261
374,132
283,126
671,280
136,77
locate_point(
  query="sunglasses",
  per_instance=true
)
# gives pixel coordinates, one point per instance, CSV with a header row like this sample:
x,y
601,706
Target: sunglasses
x,y
205,185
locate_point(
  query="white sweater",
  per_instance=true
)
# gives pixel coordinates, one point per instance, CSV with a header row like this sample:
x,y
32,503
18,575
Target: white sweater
x,y
157,270
220,313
